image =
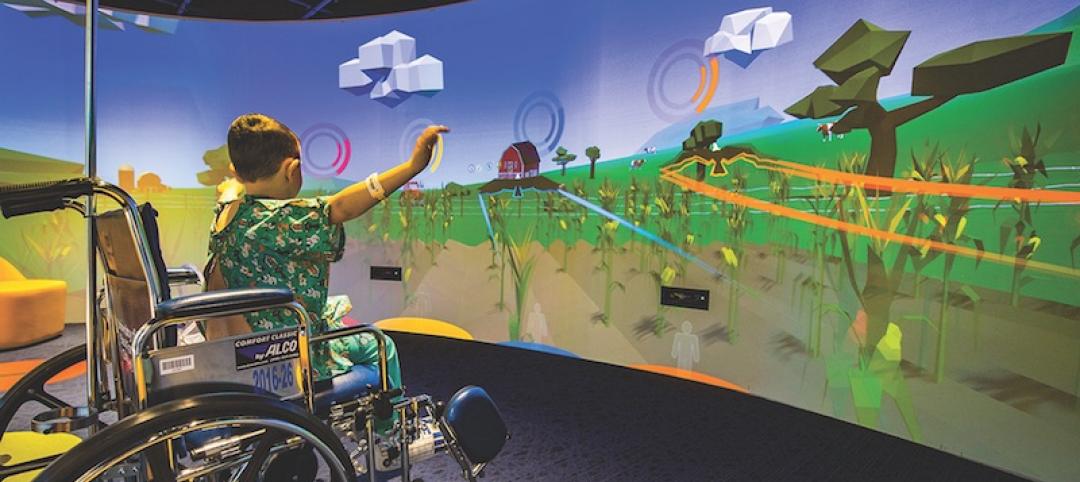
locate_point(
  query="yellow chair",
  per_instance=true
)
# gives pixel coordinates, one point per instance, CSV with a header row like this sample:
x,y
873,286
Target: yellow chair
x,y
19,447
424,326
31,310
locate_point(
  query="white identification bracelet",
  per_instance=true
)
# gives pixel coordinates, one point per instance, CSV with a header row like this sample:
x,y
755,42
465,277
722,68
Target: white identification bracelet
x,y
375,188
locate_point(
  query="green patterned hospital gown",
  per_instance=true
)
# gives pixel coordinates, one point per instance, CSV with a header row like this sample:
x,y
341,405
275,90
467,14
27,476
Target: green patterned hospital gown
x,y
290,243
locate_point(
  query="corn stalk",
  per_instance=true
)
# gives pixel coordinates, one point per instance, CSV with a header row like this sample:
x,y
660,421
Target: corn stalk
x,y
408,235
605,245
51,242
522,265
737,218
1025,239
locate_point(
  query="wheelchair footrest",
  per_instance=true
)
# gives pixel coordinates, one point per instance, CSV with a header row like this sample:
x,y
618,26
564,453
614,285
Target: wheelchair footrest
x,y
476,424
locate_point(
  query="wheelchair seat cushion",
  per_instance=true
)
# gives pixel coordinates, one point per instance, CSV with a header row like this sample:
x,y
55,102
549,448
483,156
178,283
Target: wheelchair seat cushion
x,y
477,424
349,385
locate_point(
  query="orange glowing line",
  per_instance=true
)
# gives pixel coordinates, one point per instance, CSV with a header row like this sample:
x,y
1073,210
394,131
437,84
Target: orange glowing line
x,y
691,375
923,187
754,203
910,186
700,85
714,66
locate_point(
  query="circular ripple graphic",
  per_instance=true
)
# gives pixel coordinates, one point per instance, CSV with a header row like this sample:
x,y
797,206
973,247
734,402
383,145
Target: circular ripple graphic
x,y
408,136
548,105
321,166
663,107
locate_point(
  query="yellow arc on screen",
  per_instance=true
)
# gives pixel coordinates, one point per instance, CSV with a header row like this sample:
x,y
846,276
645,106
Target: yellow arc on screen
x,y
438,155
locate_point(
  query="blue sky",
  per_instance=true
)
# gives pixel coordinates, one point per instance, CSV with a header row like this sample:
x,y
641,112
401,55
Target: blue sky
x,y
165,99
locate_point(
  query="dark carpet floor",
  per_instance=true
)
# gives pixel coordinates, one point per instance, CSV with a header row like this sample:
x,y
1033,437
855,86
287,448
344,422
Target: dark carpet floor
x,y
579,420
575,420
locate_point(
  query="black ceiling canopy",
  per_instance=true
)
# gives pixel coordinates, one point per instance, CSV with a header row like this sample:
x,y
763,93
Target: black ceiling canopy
x,y
269,10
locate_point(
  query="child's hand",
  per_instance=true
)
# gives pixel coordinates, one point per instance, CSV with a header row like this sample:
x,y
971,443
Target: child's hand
x,y
425,144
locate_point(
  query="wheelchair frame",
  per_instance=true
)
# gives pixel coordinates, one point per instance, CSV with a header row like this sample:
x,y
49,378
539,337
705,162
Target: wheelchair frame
x,y
105,355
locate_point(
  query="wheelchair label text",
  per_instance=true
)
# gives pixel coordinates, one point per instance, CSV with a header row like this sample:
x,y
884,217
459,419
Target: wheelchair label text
x,y
279,378
267,348
168,366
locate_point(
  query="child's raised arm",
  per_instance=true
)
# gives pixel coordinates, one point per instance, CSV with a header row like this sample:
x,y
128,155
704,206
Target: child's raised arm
x,y
355,200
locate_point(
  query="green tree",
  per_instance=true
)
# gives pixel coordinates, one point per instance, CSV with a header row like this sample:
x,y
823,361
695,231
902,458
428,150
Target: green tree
x,y
865,53
218,162
563,157
593,153
697,148
461,192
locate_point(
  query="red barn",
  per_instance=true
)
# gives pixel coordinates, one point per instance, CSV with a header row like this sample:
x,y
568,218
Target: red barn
x,y
519,161
413,190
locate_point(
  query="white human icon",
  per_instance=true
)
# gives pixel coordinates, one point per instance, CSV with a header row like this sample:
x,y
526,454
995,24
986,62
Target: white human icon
x,y
537,328
685,348
421,304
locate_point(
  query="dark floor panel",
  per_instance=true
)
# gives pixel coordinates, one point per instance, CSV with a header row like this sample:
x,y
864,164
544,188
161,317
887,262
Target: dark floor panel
x,y
578,420
575,420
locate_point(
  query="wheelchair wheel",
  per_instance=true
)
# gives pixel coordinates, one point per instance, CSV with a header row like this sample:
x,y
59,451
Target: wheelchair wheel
x,y
149,442
31,387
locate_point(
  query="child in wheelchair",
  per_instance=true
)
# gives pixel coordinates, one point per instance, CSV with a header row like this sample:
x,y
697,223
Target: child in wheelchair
x,y
263,235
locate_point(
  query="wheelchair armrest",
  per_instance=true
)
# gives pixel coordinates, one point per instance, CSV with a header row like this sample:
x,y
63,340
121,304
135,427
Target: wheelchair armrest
x,y
223,303
380,339
184,275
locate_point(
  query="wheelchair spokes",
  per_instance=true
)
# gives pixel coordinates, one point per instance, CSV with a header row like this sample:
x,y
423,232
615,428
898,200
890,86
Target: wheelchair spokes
x,y
32,387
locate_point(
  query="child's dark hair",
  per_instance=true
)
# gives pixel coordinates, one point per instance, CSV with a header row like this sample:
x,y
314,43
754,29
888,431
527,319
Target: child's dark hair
x,y
258,144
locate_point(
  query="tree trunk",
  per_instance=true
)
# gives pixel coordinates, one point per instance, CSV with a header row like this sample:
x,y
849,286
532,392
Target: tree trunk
x,y
882,126
700,172
882,160
564,170
592,168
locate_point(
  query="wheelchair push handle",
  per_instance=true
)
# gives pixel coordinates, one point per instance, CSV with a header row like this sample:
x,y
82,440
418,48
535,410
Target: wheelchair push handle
x,y
36,197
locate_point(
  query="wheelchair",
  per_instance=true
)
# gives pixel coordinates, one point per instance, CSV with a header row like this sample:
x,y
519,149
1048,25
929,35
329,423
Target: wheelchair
x,y
242,408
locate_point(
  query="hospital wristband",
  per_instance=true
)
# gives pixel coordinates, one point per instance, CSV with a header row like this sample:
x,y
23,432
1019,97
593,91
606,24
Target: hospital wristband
x,y
375,188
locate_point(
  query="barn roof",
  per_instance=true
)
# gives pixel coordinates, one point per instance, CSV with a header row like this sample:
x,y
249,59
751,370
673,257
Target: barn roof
x,y
527,151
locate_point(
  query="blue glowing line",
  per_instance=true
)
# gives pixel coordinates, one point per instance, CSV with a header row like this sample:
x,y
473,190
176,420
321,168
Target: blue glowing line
x,y
487,219
646,234
316,9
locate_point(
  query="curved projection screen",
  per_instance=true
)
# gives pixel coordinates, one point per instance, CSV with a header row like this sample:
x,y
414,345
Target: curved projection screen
x,y
863,210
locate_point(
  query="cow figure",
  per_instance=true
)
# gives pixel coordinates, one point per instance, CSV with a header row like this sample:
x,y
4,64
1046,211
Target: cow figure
x,y
636,164
826,131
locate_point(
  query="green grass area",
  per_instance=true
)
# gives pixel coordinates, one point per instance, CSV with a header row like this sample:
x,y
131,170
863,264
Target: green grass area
x,y
985,125
22,162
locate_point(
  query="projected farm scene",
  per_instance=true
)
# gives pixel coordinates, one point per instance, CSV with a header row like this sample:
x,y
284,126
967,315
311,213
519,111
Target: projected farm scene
x,y
868,210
